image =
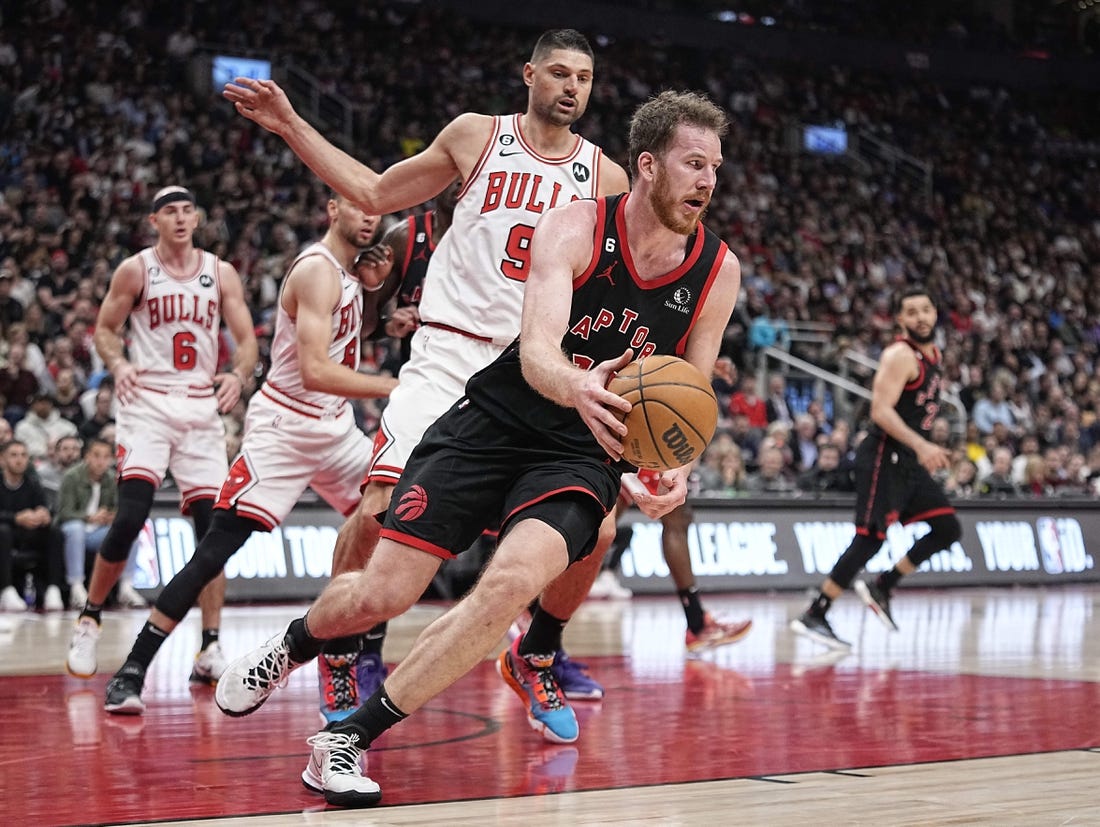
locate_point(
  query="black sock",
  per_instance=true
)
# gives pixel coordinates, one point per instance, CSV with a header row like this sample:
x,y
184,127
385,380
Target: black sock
x,y
371,642
148,642
92,610
303,646
693,609
209,636
544,635
820,605
888,580
342,645
377,714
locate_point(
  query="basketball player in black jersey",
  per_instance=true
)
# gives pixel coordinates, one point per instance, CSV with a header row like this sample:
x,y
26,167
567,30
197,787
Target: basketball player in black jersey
x,y
534,445
397,265
894,467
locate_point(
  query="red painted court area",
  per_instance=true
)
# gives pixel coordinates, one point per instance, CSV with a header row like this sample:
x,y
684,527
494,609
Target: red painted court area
x,y
64,761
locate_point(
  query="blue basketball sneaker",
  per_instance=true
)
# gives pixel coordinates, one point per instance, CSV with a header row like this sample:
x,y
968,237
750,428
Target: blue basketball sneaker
x,y
531,677
370,672
574,680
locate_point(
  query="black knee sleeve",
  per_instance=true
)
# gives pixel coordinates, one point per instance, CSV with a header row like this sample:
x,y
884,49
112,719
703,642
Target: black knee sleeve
x,y
135,501
226,534
202,513
945,530
854,558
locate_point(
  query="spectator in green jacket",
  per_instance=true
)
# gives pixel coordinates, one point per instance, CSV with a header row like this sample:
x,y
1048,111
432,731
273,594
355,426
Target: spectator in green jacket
x,y
86,506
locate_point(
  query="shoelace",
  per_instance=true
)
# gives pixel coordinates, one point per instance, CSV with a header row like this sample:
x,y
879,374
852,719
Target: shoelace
x,y
545,686
343,754
272,671
343,692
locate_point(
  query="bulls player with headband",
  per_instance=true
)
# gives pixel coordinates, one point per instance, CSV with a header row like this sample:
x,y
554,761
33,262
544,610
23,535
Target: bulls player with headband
x,y
534,446
175,297
514,168
894,467
299,432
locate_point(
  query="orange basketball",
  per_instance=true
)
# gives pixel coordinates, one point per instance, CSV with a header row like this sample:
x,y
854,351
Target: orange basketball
x,y
674,411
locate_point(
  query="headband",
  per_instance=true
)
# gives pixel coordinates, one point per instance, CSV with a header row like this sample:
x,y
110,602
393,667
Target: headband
x,y
171,197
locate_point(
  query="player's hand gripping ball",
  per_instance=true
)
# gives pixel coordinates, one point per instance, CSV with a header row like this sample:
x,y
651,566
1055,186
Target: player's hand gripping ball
x,y
674,411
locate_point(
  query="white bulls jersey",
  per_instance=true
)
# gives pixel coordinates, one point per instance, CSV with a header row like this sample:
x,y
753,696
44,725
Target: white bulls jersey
x,y
284,380
174,330
476,275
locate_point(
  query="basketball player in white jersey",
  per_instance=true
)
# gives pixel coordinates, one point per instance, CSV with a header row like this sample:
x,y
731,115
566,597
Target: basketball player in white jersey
x,y
514,168
175,297
300,431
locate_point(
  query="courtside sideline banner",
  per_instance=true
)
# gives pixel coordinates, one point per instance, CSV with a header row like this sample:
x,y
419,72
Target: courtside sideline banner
x,y
735,545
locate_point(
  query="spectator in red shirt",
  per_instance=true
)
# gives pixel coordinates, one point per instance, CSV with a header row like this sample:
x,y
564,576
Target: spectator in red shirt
x,y
747,401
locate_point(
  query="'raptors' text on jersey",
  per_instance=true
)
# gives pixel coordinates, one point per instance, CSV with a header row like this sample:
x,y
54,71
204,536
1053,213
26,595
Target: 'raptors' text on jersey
x,y
612,309
919,402
476,276
284,382
174,328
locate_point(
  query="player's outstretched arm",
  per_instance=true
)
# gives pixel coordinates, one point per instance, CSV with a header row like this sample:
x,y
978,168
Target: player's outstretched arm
x,y
412,181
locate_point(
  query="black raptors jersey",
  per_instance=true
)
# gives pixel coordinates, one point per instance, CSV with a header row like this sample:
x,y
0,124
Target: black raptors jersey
x,y
919,402
612,310
414,263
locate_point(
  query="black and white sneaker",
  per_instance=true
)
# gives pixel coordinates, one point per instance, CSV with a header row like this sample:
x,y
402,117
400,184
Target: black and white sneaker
x,y
335,771
249,680
818,628
124,691
877,601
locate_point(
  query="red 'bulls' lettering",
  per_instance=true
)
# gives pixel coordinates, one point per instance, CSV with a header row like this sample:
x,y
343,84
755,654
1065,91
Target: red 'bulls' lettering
x,y
181,308
520,190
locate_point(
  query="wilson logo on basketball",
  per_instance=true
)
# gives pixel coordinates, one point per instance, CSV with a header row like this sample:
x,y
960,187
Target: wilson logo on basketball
x,y
412,504
678,443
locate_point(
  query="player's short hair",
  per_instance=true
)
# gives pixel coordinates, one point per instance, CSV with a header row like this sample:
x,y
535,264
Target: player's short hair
x,y
569,39
908,293
654,123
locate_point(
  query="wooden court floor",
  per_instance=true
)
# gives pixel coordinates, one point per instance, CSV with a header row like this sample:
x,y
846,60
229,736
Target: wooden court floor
x,y
983,709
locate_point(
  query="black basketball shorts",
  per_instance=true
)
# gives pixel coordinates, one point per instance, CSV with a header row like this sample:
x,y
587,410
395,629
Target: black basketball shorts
x,y
470,473
891,486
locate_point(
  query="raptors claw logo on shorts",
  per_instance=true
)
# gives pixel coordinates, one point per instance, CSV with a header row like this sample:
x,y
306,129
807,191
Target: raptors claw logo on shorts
x,y
412,504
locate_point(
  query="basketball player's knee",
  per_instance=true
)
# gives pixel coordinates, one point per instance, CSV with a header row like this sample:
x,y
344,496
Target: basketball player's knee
x,y
678,520
946,529
373,605
129,520
606,538
375,501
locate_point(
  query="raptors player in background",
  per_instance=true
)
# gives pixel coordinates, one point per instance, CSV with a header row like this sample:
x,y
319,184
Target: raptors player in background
x,y
400,262
175,297
514,169
894,467
299,432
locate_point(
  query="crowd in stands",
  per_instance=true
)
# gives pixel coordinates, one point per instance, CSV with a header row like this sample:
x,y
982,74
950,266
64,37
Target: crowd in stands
x,y
100,106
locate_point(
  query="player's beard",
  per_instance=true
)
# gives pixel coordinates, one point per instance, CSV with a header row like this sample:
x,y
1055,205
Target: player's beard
x,y
665,205
912,333
550,113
